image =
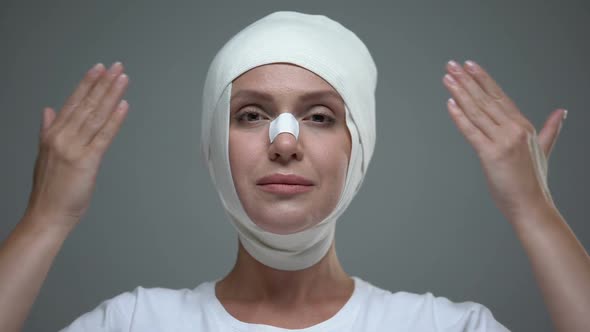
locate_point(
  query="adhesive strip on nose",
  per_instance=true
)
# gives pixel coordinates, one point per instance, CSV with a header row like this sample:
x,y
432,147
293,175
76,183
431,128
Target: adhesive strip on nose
x,y
284,123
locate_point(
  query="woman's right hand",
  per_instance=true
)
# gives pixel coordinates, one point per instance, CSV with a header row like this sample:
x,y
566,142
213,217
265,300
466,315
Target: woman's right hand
x,y
72,144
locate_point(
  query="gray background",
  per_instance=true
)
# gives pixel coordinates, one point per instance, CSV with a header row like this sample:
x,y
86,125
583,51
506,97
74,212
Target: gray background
x,y
424,219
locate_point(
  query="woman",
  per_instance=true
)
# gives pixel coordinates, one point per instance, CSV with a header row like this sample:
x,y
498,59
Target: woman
x,y
288,133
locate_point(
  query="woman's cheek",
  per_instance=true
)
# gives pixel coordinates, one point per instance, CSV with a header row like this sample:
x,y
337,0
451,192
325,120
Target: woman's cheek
x,y
247,150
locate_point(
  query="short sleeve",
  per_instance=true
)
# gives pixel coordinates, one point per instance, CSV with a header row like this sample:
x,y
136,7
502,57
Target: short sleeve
x,y
112,315
466,317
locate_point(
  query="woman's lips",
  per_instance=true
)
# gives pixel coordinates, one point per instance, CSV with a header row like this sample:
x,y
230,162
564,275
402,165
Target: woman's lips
x,y
285,184
285,189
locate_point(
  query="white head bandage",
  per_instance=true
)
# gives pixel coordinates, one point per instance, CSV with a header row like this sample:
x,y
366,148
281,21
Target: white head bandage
x,y
284,123
331,51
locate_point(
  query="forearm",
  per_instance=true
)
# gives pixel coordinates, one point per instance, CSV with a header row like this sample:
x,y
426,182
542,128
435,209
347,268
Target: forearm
x,y
25,259
560,264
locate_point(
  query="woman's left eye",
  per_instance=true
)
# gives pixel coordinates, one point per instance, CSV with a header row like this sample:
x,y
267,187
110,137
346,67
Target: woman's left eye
x,y
321,118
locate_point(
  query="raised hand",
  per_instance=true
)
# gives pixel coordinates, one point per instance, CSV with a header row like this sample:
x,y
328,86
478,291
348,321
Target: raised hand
x,y
513,157
72,144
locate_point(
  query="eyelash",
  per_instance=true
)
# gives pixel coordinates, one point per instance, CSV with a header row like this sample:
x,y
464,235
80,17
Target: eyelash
x,y
327,118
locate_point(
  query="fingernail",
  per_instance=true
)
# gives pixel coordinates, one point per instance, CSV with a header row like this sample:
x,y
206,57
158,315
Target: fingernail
x,y
564,114
455,66
470,65
122,104
114,66
121,80
450,79
96,68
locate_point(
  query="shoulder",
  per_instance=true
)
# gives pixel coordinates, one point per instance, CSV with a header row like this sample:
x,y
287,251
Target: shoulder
x,y
139,307
106,315
427,311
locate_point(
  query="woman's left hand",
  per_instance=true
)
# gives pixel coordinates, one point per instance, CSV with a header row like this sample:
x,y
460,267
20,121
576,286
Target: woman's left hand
x,y
514,158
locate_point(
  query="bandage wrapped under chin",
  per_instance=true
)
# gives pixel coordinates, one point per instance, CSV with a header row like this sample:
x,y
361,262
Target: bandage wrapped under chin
x,y
326,48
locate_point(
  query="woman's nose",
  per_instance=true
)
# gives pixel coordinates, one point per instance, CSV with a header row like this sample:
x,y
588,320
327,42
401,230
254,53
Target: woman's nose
x,y
284,148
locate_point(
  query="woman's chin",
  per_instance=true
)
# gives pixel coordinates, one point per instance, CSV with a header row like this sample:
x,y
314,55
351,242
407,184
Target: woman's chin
x,y
284,223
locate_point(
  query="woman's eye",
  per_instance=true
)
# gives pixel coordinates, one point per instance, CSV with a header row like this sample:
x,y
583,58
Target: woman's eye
x,y
250,116
253,116
320,114
319,118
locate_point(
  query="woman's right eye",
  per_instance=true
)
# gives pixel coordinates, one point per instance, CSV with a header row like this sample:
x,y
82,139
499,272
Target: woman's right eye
x,y
250,116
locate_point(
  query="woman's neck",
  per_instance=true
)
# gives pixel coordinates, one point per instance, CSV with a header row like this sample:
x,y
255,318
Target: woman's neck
x,y
252,281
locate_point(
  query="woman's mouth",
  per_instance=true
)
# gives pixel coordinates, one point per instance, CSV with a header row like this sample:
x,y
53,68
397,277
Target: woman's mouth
x,y
285,184
285,189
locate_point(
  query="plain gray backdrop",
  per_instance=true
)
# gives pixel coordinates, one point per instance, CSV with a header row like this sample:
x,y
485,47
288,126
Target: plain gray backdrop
x,y
423,221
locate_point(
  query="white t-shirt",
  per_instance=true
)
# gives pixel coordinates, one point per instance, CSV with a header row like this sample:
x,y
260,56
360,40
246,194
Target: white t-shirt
x,y
369,309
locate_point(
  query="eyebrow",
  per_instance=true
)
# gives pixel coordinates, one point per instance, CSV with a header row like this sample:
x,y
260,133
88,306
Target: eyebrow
x,y
303,97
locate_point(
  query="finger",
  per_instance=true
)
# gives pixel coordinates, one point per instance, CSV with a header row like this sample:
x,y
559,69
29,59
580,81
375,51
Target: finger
x,y
493,89
103,138
85,85
479,96
93,100
478,117
550,131
96,119
475,137
47,118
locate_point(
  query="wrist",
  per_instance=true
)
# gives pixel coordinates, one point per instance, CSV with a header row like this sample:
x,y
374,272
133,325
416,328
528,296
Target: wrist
x,y
40,221
535,217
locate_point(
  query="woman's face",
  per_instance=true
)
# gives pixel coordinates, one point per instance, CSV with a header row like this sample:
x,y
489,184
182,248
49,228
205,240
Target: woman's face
x,y
320,154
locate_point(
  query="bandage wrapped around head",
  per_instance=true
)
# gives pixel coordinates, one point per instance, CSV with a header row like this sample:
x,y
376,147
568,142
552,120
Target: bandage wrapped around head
x,y
326,48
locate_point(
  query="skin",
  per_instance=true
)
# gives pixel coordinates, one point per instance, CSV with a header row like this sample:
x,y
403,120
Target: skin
x,y
72,143
71,146
514,160
253,292
320,154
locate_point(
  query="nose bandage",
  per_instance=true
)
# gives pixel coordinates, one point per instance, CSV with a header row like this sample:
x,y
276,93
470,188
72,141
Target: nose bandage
x,y
284,123
332,52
